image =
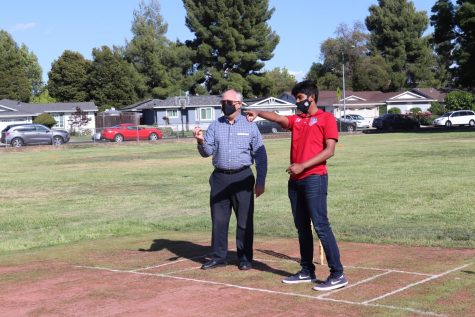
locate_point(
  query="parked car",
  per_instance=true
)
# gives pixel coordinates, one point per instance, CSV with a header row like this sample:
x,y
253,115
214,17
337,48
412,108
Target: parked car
x,y
360,121
392,121
458,117
266,126
128,131
18,135
345,126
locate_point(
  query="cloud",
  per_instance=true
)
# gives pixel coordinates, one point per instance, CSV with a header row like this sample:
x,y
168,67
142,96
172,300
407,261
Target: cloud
x,y
23,26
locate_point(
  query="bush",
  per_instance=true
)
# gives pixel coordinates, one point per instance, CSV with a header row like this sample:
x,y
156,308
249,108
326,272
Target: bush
x,y
45,119
437,108
460,100
167,132
394,111
414,111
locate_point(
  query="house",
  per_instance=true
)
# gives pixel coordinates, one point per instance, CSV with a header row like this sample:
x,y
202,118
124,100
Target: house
x,y
367,103
12,112
186,112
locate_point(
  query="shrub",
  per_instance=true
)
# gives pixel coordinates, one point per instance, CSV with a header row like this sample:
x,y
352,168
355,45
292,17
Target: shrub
x,y
459,100
167,132
45,119
437,108
414,111
394,111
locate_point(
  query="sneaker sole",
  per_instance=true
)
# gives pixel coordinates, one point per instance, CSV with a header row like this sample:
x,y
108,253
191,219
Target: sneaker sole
x,y
299,281
330,288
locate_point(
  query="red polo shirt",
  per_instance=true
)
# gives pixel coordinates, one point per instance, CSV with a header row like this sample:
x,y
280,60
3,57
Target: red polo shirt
x,y
309,134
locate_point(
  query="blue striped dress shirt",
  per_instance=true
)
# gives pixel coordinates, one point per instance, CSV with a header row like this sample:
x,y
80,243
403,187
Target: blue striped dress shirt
x,y
235,145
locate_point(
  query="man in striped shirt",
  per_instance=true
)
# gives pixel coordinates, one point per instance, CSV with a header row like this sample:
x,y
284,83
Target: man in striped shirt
x,y
234,143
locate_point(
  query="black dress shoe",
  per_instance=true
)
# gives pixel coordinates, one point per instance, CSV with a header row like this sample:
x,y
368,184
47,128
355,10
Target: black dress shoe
x,y
211,264
245,265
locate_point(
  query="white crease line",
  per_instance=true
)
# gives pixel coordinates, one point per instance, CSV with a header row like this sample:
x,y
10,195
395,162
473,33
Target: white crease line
x,y
353,284
184,270
269,291
353,267
168,263
392,270
416,283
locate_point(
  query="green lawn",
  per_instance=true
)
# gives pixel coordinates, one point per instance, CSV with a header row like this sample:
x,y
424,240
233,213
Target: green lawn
x,y
405,188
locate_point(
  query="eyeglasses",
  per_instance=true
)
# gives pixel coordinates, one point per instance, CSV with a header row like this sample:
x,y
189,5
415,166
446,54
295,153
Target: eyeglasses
x,y
229,102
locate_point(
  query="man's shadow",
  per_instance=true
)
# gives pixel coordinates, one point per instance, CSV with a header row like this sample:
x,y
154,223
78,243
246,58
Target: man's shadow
x,y
200,254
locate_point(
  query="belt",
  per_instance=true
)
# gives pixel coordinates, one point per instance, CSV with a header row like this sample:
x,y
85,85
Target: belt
x,y
224,171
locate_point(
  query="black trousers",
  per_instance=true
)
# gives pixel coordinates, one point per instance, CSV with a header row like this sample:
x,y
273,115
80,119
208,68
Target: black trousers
x,y
232,192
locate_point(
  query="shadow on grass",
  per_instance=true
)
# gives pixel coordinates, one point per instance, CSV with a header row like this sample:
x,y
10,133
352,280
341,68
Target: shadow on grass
x,y
199,254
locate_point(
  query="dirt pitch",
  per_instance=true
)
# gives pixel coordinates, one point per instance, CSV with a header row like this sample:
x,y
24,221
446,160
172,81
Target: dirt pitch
x,y
159,275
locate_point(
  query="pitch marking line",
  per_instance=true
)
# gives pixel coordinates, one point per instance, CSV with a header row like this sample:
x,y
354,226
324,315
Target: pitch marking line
x,y
168,263
416,283
353,284
266,290
354,267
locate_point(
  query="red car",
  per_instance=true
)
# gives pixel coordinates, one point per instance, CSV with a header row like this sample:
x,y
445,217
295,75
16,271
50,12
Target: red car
x,y
128,131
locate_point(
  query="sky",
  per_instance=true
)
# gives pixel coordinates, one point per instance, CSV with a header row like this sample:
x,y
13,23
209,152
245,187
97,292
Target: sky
x,y
49,27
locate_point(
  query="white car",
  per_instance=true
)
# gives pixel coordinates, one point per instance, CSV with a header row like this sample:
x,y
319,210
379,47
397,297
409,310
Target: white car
x,y
458,117
359,120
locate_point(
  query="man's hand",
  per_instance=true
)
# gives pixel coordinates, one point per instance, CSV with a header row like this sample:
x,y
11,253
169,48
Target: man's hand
x,y
295,169
198,134
259,190
251,115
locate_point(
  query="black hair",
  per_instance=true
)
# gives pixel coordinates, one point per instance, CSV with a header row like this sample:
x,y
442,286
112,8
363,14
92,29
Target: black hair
x,y
307,87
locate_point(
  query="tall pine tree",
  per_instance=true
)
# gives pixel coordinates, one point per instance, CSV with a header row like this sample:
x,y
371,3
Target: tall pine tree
x,y
443,38
465,52
396,33
232,42
147,48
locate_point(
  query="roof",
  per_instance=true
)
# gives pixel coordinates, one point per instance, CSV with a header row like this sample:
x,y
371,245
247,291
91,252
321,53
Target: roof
x,y
326,98
174,102
10,108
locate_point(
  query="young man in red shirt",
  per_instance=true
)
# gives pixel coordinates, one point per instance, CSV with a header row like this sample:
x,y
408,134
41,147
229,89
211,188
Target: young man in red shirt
x,y
314,136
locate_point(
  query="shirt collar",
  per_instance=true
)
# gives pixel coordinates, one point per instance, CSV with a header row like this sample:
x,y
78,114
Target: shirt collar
x,y
239,117
306,115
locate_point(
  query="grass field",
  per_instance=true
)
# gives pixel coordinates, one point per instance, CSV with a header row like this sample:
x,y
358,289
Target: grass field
x,y
403,188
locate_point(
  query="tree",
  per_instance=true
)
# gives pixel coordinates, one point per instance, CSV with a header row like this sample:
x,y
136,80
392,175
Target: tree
x,y
165,66
68,77
112,81
371,73
14,82
78,119
43,97
32,69
45,119
396,33
443,38
459,100
232,42
465,51
349,47
280,80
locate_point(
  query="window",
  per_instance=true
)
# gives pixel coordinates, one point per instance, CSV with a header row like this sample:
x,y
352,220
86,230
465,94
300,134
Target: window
x,y
172,113
41,128
59,118
204,114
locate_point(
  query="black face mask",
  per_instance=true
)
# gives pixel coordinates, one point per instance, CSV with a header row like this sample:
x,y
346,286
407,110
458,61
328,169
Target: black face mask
x,y
303,105
228,107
